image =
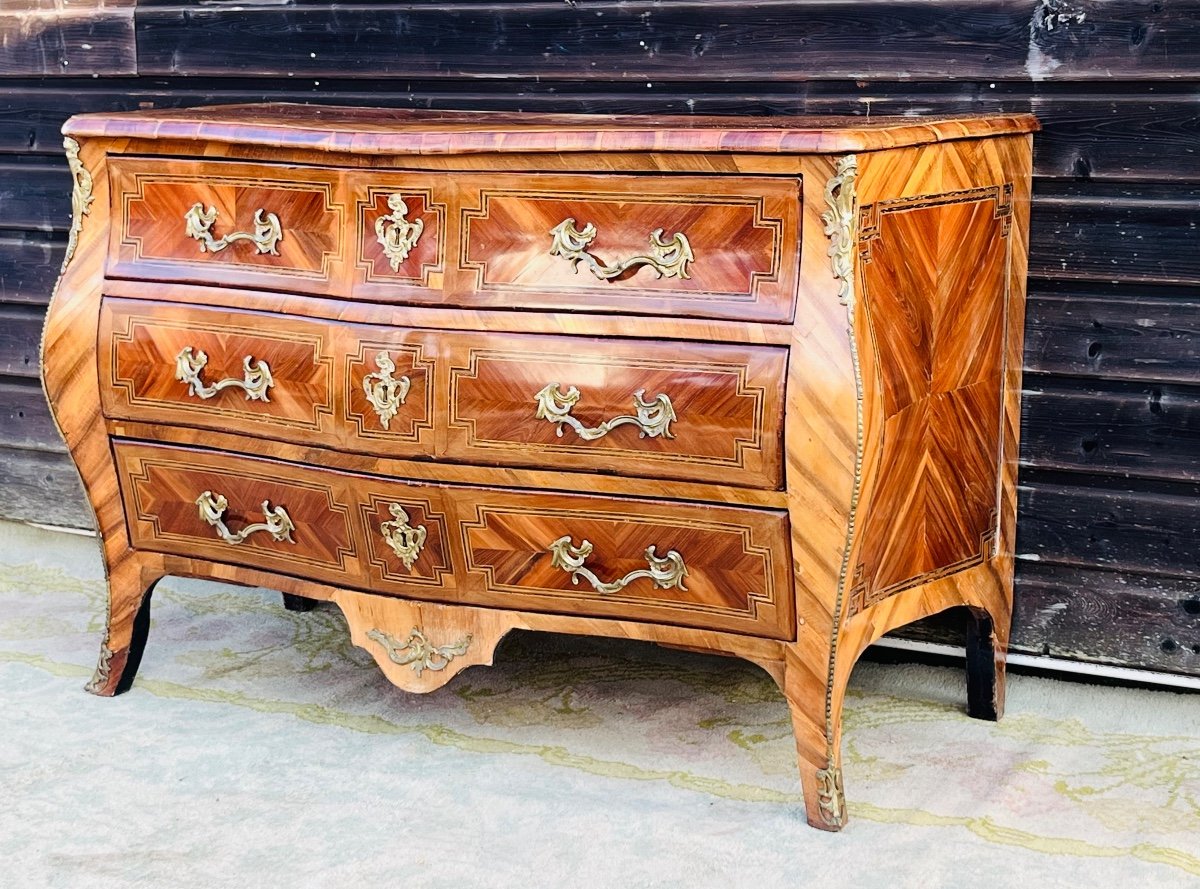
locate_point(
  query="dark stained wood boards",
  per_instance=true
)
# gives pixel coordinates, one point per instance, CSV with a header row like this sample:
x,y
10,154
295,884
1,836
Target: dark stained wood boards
x,y
663,42
60,37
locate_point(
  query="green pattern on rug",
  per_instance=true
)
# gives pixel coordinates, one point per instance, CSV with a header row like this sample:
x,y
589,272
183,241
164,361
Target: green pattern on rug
x,y
675,767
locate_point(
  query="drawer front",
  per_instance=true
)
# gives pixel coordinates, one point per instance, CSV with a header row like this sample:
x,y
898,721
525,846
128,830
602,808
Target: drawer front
x,y
695,565
255,225
717,247
400,236
341,386
632,407
258,513
217,369
713,567
671,410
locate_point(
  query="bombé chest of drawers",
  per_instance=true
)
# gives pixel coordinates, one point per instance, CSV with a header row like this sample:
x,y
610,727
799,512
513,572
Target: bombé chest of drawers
x,y
747,386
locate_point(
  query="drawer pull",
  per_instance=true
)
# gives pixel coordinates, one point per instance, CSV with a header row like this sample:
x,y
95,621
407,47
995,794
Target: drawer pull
x,y
256,381
666,572
397,234
385,392
267,232
278,523
653,418
669,258
418,651
405,540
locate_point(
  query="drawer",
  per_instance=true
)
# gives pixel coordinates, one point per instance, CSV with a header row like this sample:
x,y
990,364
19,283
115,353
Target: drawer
x,y
713,567
665,409
275,376
703,246
253,225
259,513
670,409
668,562
213,368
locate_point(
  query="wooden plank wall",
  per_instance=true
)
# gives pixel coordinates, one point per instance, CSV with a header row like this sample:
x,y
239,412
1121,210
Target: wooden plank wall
x,y
1110,566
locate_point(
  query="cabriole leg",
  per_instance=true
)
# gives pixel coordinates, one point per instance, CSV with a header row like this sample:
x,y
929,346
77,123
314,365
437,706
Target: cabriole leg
x,y
820,761
130,585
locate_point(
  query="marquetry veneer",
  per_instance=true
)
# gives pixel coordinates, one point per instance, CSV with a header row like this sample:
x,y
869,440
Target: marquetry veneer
x,y
747,386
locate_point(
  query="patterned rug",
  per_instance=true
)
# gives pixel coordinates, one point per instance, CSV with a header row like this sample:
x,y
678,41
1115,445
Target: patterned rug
x,y
259,748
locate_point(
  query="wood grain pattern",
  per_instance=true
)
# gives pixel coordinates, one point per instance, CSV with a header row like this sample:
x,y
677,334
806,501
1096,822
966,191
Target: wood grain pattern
x,y
742,231
727,399
425,508
160,487
985,588
728,402
406,131
29,264
1151,337
1097,132
141,343
57,37
736,559
25,420
933,279
1096,233
1108,130
1133,430
898,402
485,627
449,318
73,387
153,196
18,342
419,275
441,471
318,396
410,429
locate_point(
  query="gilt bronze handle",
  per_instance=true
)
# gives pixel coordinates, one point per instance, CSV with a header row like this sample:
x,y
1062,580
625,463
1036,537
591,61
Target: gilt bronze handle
x,y
256,380
278,523
669,258
266,235
666,572
653,418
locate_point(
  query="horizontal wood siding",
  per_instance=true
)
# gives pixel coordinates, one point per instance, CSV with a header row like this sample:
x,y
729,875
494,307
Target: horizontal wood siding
x,y
43,487
1142,528
1111,416
20,337
1145,334
61,37
1118,618
29,264
24,420
1138,430
1107,617
670,40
